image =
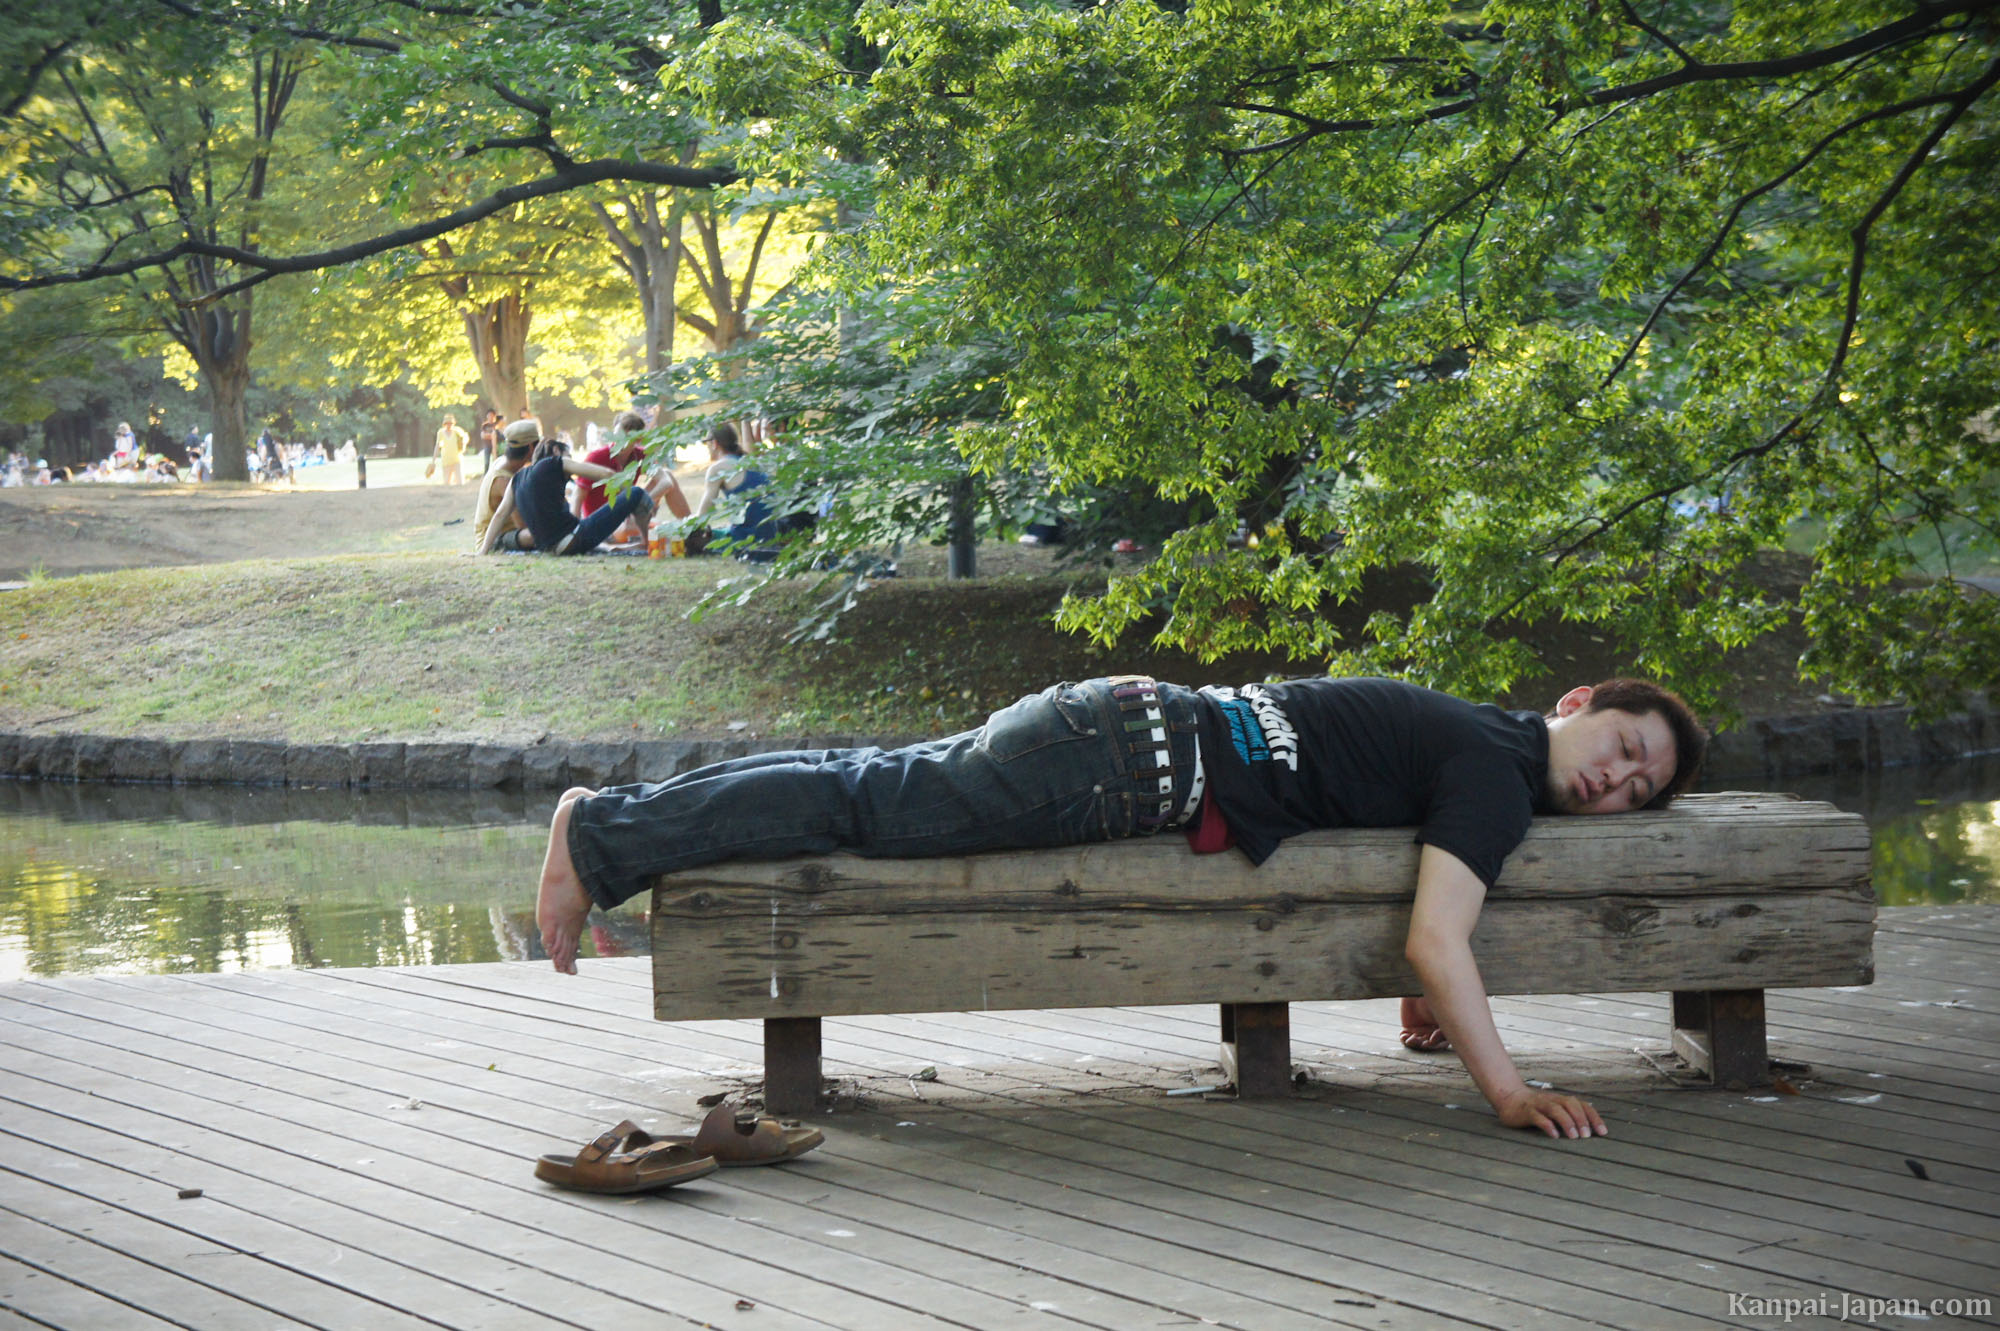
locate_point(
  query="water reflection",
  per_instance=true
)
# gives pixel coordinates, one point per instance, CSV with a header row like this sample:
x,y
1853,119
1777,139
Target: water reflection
x,y
1937,829
104,879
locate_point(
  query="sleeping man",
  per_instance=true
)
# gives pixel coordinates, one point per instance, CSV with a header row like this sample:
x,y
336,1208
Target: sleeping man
x,y
1130,756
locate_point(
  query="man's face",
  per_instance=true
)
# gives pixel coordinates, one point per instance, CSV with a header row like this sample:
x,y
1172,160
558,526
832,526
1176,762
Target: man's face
x,y
1607,761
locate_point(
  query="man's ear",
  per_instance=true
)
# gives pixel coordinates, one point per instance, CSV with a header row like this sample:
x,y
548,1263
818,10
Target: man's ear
x,y
1574,701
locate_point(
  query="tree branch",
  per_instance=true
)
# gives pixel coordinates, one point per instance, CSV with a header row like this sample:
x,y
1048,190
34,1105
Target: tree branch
x,y
539,110
1423,238
1314,126
1656,34
303,34
32,77
1728,223
756,257
1961,104
1916,24
1829,381
267,266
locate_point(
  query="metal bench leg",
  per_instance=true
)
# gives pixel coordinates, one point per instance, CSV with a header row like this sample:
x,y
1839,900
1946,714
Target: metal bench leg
x,y
1257,1049
791,1065
1721,1034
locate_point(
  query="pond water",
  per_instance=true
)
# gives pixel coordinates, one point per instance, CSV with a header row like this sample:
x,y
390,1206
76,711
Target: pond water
x,y
121,879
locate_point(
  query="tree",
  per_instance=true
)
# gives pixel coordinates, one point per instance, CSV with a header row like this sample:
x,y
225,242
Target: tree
x,y
1572,307
647,231
137,134
867,439
647,242
580,54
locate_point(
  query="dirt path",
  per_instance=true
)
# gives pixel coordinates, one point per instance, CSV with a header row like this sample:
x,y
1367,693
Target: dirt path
x,y
70,529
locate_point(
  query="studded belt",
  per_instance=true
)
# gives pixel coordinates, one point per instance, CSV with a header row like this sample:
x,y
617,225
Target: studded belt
x,y
1147,741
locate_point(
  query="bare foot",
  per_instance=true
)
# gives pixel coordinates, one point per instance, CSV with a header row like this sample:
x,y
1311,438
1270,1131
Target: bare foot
x,y
1420,1029
561,904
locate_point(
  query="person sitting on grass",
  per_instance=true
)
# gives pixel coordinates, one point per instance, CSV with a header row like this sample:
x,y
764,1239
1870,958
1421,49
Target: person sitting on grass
x,y
616,456
1132,756
536,493
520,439
730,473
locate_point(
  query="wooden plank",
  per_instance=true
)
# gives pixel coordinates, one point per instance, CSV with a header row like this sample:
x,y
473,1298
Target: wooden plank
x,y
963,1304
212,1268
1690,850
1938,1122
1257,1049
491,1000
841,1260
1720,1035
1730,894
1798,1033
903,1293
963,961
1686,1100
791,1065
1299,1194
1850,1047
1409,1258
1450,1157
959,1298
32,1285
1819,1159
1055,1167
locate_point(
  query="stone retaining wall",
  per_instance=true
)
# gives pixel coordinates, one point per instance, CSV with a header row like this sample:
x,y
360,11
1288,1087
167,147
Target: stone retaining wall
x,y
1844,739
1765,749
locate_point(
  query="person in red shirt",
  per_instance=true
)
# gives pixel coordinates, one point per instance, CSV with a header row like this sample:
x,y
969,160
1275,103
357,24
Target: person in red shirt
x,y
620,453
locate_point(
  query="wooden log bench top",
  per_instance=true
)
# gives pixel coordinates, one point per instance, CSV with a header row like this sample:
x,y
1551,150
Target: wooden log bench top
x,y
1714,900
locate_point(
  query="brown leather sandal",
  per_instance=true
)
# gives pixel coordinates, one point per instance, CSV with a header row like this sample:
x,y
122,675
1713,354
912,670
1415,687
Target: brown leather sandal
x,y
625,1159
737,1137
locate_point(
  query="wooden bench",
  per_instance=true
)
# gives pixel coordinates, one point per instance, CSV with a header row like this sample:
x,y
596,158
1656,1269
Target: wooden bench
x,y
1714,900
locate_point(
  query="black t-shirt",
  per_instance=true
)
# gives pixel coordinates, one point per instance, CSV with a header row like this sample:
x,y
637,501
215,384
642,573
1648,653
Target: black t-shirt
x,y
538,496
1286,758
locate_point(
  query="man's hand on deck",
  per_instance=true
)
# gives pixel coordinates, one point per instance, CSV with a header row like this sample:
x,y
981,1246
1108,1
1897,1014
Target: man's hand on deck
x,y
1556,1114
1439,949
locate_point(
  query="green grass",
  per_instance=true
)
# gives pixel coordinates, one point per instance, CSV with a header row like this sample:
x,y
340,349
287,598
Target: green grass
x,y
448,647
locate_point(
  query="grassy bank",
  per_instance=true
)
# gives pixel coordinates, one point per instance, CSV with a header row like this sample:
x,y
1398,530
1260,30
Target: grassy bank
x,y
444,647
447,647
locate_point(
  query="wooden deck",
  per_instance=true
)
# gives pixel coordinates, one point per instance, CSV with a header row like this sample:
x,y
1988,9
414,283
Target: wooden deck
x,y
361,1141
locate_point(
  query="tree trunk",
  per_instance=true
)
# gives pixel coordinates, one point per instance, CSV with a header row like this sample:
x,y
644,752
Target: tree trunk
x,y
229,414
498,331
660,243
219,341
961,530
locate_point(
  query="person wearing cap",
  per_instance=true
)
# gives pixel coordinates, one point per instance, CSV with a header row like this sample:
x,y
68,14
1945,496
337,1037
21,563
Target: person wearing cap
x,y
534,494
520,438
1128,756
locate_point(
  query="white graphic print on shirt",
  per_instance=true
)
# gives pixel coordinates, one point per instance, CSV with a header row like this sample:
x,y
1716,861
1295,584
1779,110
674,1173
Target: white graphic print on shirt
x,y
1258,726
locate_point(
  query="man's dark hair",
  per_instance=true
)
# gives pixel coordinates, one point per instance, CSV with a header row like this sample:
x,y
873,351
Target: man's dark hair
x,y
1639,697
629,422
724,435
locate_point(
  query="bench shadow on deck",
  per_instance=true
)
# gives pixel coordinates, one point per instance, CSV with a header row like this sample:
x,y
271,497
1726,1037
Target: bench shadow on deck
x,y
361,1141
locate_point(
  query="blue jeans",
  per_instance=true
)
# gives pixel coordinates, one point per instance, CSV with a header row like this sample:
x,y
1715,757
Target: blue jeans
x,y
594,530
1054,769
